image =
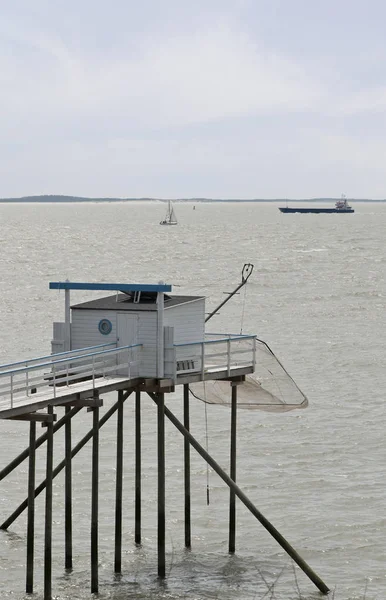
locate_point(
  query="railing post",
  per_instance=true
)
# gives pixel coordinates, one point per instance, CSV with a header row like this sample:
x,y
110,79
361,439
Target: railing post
x,y
229,357
93,371
174,364
26,379
254,353
53,380
11,390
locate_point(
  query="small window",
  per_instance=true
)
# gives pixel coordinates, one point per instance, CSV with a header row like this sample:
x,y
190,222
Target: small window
x,y
105,326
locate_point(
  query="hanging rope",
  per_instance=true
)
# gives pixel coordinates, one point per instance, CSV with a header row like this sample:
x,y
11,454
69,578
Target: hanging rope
x,y
206,448
206,438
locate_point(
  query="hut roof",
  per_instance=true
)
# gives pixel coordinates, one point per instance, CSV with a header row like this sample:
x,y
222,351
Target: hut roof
x,y
124,302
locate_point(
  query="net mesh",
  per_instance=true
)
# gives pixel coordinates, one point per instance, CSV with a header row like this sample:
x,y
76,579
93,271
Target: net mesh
x,y
269,388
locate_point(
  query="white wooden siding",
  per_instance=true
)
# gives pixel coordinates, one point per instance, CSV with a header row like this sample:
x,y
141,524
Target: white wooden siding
x,y
188,321
85,332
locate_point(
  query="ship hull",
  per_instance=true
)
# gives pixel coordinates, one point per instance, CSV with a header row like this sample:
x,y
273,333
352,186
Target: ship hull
x,y
286,209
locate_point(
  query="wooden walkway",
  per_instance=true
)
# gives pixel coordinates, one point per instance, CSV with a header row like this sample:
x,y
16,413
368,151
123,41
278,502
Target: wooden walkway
x,y
23,405
68,394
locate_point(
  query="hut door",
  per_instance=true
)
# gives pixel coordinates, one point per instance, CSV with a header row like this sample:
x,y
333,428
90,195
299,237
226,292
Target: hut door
x,y
127,334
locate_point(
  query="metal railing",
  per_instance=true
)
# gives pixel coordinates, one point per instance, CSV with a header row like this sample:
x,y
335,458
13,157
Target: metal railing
x,y
21,382
220,351
31,361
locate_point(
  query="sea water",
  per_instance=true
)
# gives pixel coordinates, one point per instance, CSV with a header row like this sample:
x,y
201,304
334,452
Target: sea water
x,y
318,297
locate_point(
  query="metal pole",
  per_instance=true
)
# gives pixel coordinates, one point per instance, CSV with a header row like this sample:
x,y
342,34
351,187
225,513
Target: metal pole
x,y
59,468
118,487
232,498
31,509
137,466
245,274
188,538
68,494
23,455
161,483
94,501
48,511
67,318
160,334
245,500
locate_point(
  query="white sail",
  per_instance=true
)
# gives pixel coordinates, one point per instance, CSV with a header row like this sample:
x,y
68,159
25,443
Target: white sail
x,y
170,218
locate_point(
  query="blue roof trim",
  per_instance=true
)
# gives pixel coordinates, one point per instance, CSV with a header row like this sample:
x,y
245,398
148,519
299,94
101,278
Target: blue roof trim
x,y
122,287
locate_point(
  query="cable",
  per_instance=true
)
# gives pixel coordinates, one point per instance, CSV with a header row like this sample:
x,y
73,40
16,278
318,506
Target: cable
x,y
207,449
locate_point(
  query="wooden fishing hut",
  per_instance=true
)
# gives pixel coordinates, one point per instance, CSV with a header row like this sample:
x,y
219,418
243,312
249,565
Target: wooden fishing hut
x,y
138,339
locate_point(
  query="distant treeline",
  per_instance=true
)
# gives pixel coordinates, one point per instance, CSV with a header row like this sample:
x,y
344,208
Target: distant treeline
x,y
55,198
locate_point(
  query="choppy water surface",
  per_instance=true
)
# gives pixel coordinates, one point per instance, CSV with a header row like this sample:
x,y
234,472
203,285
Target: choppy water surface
x,y
317,296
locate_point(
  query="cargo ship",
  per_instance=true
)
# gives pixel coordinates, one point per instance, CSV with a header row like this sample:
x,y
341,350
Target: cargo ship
x,y
341,206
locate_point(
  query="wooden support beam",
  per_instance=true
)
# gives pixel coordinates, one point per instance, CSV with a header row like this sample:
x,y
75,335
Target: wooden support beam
x,y
94,501
37,417
188,536
94,402
23,455
118,487
138,461
85,403
31,510
126,394
59,467
213,375
161,485
237,379
48,512
157,386
68,494
232,495
245,500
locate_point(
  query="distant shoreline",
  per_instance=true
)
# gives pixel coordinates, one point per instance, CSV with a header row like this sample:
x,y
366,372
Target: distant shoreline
x,y
69,199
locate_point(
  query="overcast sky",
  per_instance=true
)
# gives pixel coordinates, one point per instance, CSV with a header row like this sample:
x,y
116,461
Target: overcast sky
x,y
211,98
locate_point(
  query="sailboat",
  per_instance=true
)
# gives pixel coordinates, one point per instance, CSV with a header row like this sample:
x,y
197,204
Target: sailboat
x,y
170,218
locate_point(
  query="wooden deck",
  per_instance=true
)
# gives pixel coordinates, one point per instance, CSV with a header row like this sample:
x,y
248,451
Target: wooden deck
x,y
24,405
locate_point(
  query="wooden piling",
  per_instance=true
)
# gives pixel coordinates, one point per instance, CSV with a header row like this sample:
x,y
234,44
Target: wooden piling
x,y
31,509
48,511
68,493
138,460
244,499
161,483
94,501
61,465
232,495
188,538
118,487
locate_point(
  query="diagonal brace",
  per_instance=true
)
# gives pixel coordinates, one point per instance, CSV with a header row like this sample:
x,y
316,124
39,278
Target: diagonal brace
x,y
245,500
61,465
23,455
